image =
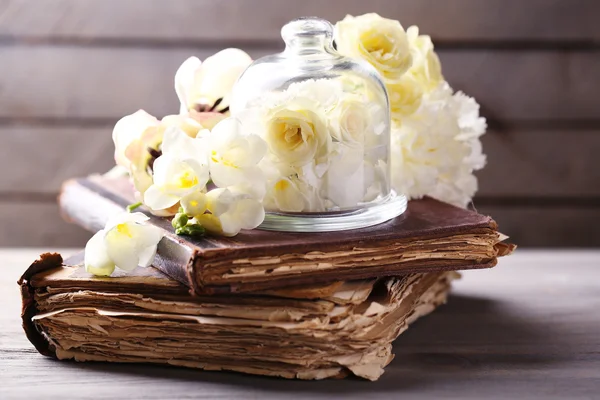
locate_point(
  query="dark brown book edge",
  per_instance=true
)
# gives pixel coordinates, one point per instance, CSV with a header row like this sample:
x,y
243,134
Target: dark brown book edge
x,y
176,256
47,261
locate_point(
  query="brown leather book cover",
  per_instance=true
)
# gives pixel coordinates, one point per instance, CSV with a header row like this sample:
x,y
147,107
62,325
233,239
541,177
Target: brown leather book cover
x,y
144,316
430,237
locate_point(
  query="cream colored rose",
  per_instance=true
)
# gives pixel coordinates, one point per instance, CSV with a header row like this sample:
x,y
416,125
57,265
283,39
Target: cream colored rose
x,y
296,135
426,67
380,41
405,97
351,122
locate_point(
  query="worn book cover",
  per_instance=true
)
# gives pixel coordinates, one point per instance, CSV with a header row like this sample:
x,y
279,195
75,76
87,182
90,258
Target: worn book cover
x,y
322,331
430,236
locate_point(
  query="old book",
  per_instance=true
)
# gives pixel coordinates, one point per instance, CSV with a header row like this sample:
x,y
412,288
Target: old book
x,y
430,236
147,317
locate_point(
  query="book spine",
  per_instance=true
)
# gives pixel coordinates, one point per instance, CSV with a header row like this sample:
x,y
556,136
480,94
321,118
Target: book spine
x,y
40,341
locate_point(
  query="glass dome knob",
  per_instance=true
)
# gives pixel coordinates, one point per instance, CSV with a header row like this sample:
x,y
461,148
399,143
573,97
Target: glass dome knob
x,y
308,33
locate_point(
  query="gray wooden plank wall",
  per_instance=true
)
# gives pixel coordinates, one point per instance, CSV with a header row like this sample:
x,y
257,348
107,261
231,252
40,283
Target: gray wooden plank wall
x,y
70,68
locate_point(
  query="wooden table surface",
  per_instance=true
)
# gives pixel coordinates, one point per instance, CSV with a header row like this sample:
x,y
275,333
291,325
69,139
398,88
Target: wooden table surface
x,y
529,328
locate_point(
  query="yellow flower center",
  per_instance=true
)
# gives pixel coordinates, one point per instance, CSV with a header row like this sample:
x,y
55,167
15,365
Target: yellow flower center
x,y
292,134
187,180
123,229
377,45
282,185
194,203
216,159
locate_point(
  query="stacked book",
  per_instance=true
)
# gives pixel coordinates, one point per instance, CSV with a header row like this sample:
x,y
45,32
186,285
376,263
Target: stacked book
x,y
306,306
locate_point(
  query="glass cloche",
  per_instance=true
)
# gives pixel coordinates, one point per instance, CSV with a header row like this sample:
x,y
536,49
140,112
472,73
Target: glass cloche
x,y
326,120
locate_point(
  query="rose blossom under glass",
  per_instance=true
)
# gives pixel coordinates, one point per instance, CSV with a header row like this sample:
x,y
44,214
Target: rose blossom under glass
x,y
326,121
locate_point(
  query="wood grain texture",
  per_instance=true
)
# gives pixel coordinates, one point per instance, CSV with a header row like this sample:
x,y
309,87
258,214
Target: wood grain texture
x,y
540,163
525,329
96,83
536,225
261,20
107,83
27,223
60,153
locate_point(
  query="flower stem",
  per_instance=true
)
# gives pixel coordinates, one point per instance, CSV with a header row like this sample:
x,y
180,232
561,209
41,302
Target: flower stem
x,y
132,207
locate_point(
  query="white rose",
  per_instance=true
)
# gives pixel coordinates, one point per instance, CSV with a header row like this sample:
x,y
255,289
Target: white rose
x,y
297,133
405,97
352,122
380,41
426,67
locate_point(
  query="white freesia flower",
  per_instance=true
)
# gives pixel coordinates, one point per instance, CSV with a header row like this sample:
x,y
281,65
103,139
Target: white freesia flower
x,y
173,180
179,145
200,84
126,242
194,204
134,135
193,122
180,171
129,129
230,212
380,41
234,157
436,150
